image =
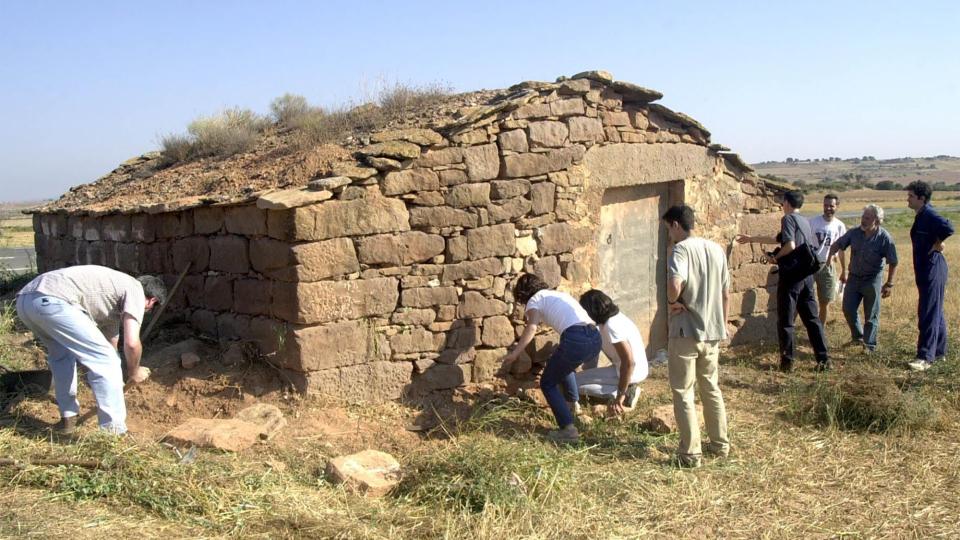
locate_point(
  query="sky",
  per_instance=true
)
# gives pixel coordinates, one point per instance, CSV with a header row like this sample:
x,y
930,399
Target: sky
x,y
87,85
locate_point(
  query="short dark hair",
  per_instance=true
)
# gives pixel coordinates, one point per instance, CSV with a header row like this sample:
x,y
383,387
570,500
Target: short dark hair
x,y
920,189
527,286
153,287
681,214
794,197
598,306
832,196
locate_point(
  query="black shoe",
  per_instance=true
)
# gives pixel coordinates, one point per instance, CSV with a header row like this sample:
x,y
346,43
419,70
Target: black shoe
x,y
826,365
786,365
66,426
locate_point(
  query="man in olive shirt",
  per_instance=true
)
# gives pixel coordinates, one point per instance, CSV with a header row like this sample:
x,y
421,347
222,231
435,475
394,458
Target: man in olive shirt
x,y
698,285
871,244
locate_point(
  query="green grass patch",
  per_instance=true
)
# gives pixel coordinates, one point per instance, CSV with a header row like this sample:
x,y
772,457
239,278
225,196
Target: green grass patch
x,y
860,400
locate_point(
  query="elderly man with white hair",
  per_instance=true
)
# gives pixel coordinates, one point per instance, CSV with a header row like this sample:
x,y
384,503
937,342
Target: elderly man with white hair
x,y
873,248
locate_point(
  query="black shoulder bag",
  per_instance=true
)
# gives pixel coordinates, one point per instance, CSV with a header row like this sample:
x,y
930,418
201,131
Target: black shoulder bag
x,y
800,263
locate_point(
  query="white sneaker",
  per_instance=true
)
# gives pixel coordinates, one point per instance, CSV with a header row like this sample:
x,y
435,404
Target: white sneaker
x,y
574,407
919,365
631,396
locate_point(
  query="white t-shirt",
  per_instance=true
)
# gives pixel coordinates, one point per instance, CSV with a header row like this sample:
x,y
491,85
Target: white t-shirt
x,y
827,232
558,310
620,328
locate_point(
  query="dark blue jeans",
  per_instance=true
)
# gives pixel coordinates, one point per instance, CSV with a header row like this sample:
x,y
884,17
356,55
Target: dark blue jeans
x,y
577,345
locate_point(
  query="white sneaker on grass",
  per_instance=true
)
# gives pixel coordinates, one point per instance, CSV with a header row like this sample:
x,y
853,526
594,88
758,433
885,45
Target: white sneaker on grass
x,y
919,365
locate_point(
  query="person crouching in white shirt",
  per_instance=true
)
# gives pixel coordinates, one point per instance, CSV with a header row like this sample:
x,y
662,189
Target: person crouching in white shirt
x,y
623,345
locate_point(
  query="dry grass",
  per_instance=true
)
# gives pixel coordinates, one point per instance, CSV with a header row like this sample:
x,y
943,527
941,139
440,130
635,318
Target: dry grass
x,y
16,232
493,476
224,134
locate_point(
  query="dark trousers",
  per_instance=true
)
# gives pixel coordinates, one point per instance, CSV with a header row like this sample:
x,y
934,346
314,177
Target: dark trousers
x,y
932,341
578,344
793,298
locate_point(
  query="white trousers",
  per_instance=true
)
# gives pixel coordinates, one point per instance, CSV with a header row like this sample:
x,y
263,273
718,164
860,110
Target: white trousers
x,y
71,336
601,382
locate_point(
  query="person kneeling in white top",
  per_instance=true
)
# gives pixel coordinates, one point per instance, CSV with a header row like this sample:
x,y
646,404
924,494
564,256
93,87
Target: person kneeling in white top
x,y
579,342
623,345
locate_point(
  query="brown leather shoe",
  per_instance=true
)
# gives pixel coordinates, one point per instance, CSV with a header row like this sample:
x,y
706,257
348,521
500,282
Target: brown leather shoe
x,y
66,426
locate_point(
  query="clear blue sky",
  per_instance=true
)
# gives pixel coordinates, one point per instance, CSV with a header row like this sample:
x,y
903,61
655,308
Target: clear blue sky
x,y
86,85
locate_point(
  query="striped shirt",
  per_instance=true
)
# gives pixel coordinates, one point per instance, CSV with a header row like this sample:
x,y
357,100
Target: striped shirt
x,y
102,293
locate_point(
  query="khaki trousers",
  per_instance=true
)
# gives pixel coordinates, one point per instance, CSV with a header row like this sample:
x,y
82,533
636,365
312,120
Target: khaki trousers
x,y
696,361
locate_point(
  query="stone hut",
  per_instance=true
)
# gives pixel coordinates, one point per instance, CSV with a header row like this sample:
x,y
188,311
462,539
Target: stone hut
x,y
384,265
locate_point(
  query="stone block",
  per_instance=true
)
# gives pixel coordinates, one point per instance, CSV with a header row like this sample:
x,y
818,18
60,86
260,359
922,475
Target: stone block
x,y
423,137
352,170
437,158
286,199
752,275
443,376
508,209
523,165
333,219
483,162
487,364
533,110
615,118
542,197
474,305
416,340
753,301
401,249
467,195
116,228
583,129
371,473
398,150
204,321
91,228
567,107
231,326
547,134
453,177
208,220
508,189
413,317
175,225
547,269
562,238
326,346
311,261
493,241
472,270
326,301
229,254
192,290
410,180
441,216
142,228
428,198
193,251
252,296
423,297
513,141
247,220
75,227
498,331
218,293
456,249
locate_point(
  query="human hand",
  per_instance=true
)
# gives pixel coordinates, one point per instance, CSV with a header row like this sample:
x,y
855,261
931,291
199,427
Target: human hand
x,y
676,308
743,238
937,247
505,362
139,375
886,290
843,277
616,408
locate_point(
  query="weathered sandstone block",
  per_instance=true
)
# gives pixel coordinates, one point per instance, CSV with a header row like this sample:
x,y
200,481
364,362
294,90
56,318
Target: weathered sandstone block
x,y
548,134
312,261
562,237
401,249
467,195
474,305
583,129
483,162
441,216
498,331
493,241
472,269
400,182
507,189
325,301
333,219
422,297
229,254
513,141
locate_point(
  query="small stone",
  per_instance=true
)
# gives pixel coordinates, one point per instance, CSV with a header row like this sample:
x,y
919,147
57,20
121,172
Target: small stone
x,y
329,184
370,472
383,164
595,75
233,355
353,171
661,420
267,417
291,198
392,149
189,360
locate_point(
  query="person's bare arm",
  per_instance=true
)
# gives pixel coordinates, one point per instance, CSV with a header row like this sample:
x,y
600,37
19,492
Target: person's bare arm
x,y
726,306
627,364
532,318
888,286
133,349
843,266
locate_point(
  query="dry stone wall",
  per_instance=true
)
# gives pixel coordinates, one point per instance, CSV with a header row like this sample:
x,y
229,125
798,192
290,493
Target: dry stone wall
x,y
392,275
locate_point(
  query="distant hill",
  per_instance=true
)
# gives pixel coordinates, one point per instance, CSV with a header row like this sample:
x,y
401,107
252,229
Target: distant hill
x,y
943,172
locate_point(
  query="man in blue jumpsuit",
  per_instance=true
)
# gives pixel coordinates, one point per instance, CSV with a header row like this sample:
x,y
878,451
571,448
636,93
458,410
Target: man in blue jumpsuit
x,y
929,231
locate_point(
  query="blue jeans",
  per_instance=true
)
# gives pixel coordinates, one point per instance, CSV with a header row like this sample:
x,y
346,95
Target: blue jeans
x,y
70,336
577,345
866,291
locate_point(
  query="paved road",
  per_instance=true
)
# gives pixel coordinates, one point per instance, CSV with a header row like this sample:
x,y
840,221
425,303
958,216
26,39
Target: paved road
x,y
18,259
